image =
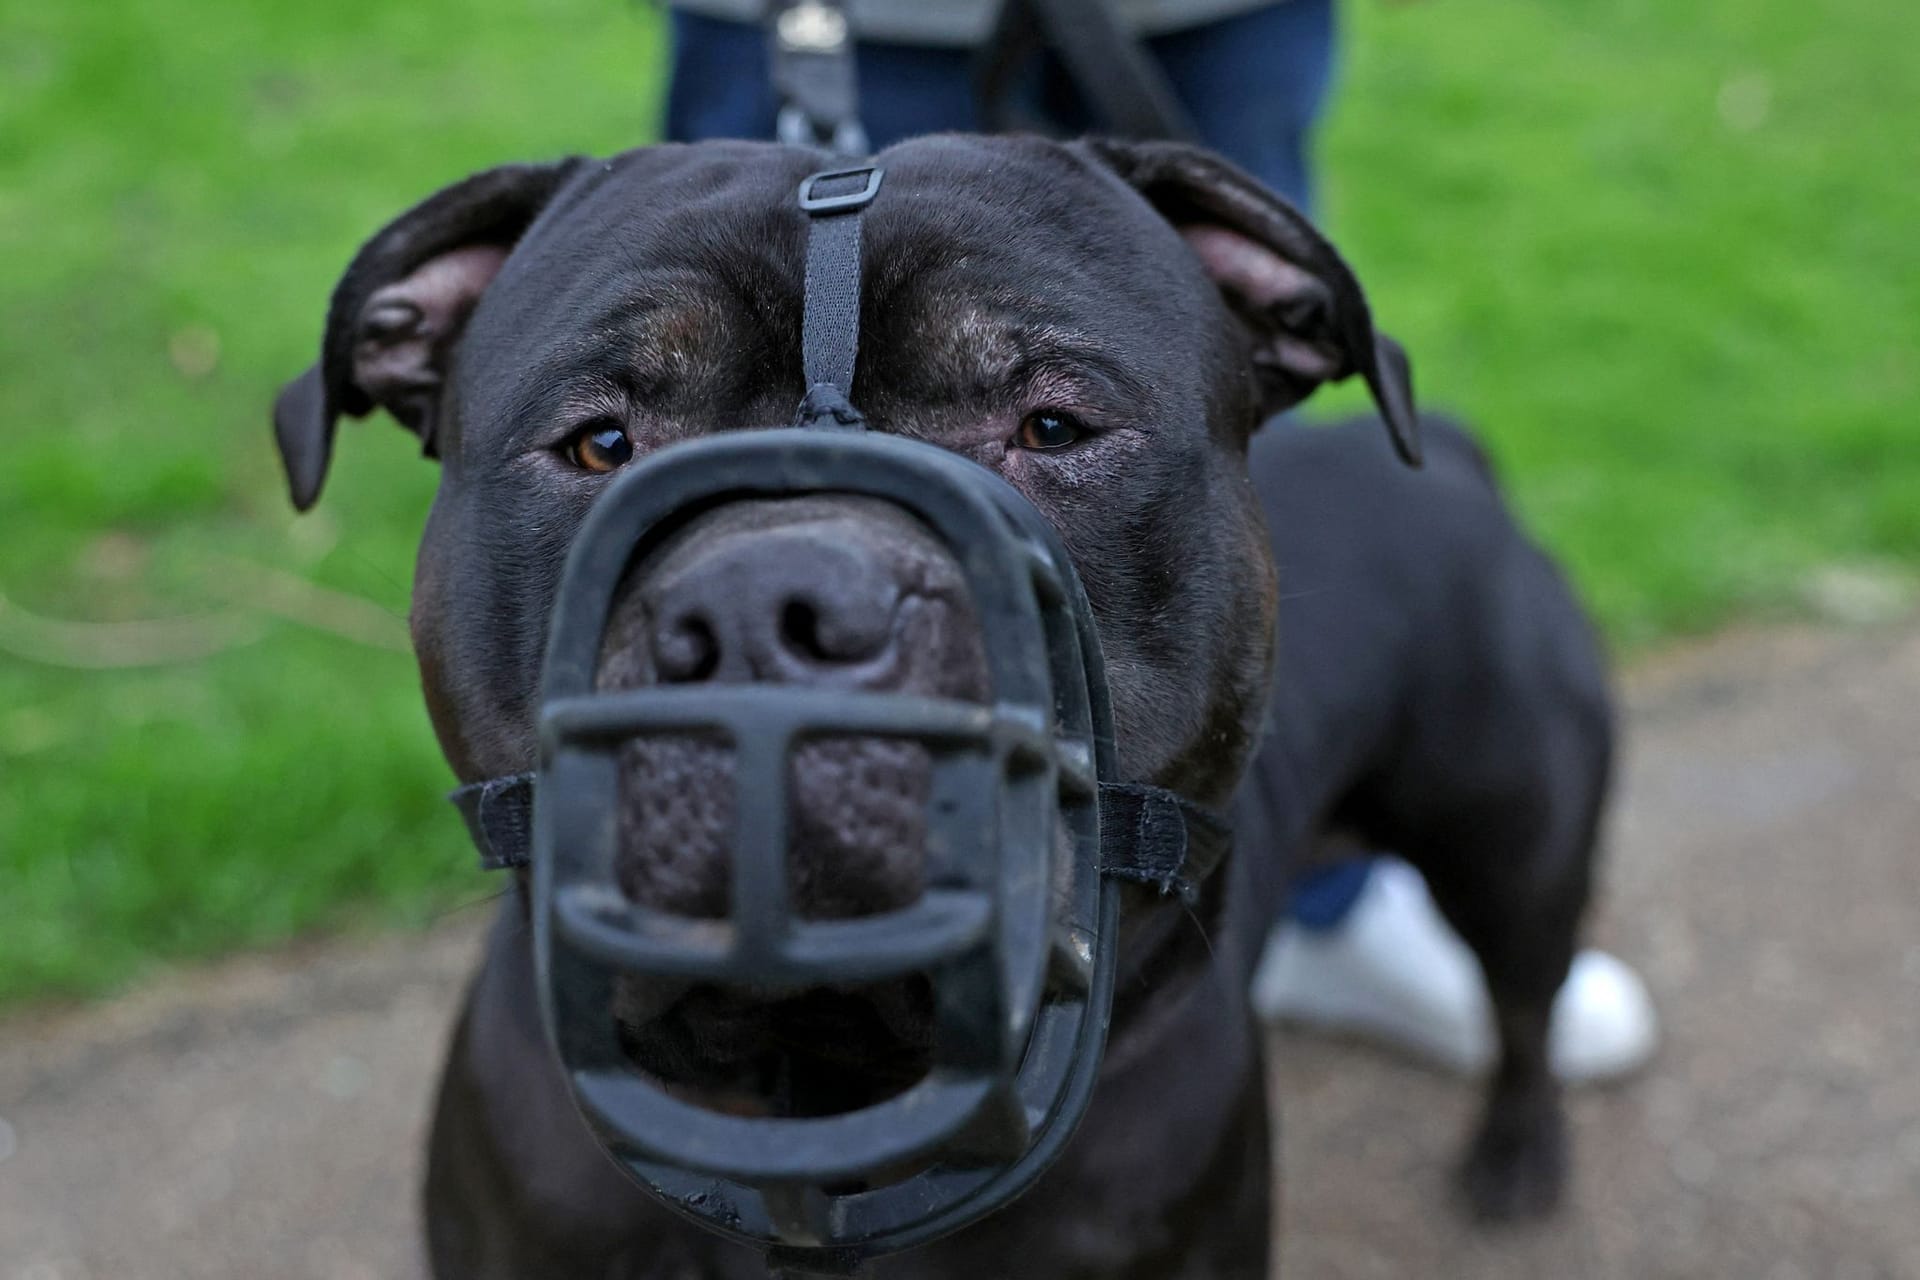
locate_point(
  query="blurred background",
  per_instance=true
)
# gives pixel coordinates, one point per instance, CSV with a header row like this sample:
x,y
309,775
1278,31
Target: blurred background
x,y
1661,252
1664,254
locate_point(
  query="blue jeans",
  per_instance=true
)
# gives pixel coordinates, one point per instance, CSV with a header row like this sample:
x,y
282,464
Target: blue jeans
x,y
1254,85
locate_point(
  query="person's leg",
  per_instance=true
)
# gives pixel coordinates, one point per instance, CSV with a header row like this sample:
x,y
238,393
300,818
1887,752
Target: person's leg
x,y
1255,86
907,90
1321,898
718,87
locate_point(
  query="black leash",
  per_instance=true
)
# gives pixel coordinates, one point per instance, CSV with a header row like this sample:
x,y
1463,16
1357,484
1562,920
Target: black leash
x,y
1116,77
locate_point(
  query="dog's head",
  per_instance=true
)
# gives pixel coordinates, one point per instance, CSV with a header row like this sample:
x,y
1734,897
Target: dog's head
x,y
1102,324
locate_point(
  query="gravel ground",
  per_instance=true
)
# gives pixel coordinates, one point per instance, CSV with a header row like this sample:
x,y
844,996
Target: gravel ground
x,y
1763,875
264,1119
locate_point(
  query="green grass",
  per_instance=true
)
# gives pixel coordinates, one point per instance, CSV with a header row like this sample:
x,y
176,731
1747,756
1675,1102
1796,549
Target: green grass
x,y
1664,253
1661,251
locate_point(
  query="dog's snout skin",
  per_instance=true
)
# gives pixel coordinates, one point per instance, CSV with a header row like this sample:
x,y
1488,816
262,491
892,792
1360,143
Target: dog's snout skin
x,y
835,593
1437,692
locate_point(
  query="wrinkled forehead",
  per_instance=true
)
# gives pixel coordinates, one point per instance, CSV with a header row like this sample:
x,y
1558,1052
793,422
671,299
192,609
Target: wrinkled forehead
x,y
989,246
978,254
1007,216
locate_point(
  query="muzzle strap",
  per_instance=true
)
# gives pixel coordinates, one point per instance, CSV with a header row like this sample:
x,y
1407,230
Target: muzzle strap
x,y
1148,835
499,814
830,324
1153,836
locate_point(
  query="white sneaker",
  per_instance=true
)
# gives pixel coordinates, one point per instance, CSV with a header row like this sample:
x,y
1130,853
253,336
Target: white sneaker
x,y
1393,970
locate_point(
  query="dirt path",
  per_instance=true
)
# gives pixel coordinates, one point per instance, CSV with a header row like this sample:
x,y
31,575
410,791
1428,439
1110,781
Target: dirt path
x,y
1765,876
264,1120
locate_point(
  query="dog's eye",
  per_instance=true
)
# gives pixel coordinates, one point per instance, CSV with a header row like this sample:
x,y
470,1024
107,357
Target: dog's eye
x,y
600,446
1048,429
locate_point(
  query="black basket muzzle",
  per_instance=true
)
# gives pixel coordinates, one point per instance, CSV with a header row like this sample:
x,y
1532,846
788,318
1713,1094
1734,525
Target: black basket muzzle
x,y
1013,931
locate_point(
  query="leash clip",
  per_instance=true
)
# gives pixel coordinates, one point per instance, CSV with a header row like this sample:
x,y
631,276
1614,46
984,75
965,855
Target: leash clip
x,y
810,46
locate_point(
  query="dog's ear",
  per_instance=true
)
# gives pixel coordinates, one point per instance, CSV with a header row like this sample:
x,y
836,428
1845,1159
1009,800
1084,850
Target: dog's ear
x,y
398,311
1309,318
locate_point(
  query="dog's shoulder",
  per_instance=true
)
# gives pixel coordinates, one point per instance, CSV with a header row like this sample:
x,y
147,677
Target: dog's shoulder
x,y
1395,578
1297,463
1345,514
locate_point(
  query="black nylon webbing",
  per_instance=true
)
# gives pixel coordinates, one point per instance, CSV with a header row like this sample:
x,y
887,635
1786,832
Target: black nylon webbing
x,y
830,333
1117,79
830,319
499,814
1153,836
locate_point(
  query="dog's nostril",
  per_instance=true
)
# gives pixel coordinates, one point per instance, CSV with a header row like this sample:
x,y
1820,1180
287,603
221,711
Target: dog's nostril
x,y
834,637
686,651
800,630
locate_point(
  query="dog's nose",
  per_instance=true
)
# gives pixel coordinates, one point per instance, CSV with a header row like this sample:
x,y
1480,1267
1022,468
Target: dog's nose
x,y
835,593
780,606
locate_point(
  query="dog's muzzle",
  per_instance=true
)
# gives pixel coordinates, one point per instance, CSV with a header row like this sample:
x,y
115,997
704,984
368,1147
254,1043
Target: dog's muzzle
x,y
1030,835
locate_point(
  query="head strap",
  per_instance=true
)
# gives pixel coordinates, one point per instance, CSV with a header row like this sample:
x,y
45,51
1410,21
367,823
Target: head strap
x,y
830,324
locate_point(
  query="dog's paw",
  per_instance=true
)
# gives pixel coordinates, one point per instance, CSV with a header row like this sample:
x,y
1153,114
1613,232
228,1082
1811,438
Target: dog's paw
x,y
1516,1167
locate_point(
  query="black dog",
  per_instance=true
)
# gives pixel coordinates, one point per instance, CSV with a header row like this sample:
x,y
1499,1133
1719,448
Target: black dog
x,y
1105,325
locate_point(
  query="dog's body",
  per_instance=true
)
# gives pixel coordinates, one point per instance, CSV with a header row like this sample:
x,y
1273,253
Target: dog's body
x,y
1438,692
